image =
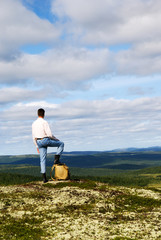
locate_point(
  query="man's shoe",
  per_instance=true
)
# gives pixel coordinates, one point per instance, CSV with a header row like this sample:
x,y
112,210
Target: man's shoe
x,y
57,161
44,178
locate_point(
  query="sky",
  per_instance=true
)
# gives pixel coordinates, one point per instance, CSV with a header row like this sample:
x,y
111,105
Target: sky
x,y
93,65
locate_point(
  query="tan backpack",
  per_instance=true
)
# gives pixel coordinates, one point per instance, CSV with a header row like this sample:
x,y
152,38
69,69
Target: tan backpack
x,y
61,172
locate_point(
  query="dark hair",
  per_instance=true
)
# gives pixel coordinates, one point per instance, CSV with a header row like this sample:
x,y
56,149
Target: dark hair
x,y
41,112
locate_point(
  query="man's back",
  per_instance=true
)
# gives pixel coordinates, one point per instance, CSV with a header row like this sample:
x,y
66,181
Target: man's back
x,y
41,129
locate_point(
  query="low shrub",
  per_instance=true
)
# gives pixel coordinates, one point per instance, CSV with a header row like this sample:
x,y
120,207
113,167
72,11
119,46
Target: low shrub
x,y
14,179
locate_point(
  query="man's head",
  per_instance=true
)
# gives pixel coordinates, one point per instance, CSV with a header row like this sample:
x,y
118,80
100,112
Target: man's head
x,y
41,112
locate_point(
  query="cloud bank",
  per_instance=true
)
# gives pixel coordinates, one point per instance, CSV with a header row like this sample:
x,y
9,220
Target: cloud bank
x,y
96,70
107,124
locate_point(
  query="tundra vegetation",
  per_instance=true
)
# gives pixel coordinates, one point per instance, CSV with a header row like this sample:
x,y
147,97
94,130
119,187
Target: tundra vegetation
x,y
77,209
97,203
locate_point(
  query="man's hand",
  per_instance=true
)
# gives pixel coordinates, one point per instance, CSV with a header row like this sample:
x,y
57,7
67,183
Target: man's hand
x,y
38,151
54,138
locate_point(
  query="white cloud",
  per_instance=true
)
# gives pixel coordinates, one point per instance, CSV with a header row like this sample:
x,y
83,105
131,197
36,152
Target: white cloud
x,y
104,124
63,68
15,94
66,67
111,21
19,26
140,90
141,59
32,81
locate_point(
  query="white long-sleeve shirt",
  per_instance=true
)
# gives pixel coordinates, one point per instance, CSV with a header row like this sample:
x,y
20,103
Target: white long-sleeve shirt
x,y
40,129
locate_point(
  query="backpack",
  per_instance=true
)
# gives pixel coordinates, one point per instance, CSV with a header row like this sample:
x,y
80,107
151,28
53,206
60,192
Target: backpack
x,y
61,172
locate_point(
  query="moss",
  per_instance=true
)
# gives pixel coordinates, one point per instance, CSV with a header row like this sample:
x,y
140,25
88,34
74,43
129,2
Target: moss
x,y
37,195
33,211
124,238
22,229
75,209
154,189
83,185
136,203
102,210
103,188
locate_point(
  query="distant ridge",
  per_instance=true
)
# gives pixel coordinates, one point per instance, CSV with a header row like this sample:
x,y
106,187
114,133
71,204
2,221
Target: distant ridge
x,y
148,149
117,150
81,152
123,159
132,149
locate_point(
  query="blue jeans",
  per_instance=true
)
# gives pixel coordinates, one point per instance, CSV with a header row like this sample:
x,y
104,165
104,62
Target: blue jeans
x,y
43,145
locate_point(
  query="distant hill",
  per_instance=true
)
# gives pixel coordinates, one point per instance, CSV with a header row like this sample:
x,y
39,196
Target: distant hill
x,y
149,149
81,152
125,159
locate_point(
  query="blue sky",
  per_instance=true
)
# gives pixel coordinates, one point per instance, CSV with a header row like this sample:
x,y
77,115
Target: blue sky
x,y
95,66
41,8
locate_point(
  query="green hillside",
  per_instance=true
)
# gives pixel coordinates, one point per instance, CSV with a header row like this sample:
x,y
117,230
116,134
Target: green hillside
x,y
111,160
116,168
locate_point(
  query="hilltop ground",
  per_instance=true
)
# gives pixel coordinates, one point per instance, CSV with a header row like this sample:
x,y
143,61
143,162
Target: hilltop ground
x,y
82,210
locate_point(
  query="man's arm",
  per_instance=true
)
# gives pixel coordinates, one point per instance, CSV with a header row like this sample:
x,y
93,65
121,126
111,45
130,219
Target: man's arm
x,y
49,133
54,138
34,140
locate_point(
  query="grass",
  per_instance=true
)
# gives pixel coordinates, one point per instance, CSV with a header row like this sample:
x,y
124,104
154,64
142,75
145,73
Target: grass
x,y
21,229
21,174
121,180
13,179
136,203
21,169
75,209
37,195
115,180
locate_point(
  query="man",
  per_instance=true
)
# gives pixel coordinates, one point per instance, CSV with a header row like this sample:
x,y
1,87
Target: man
x,y
43,138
